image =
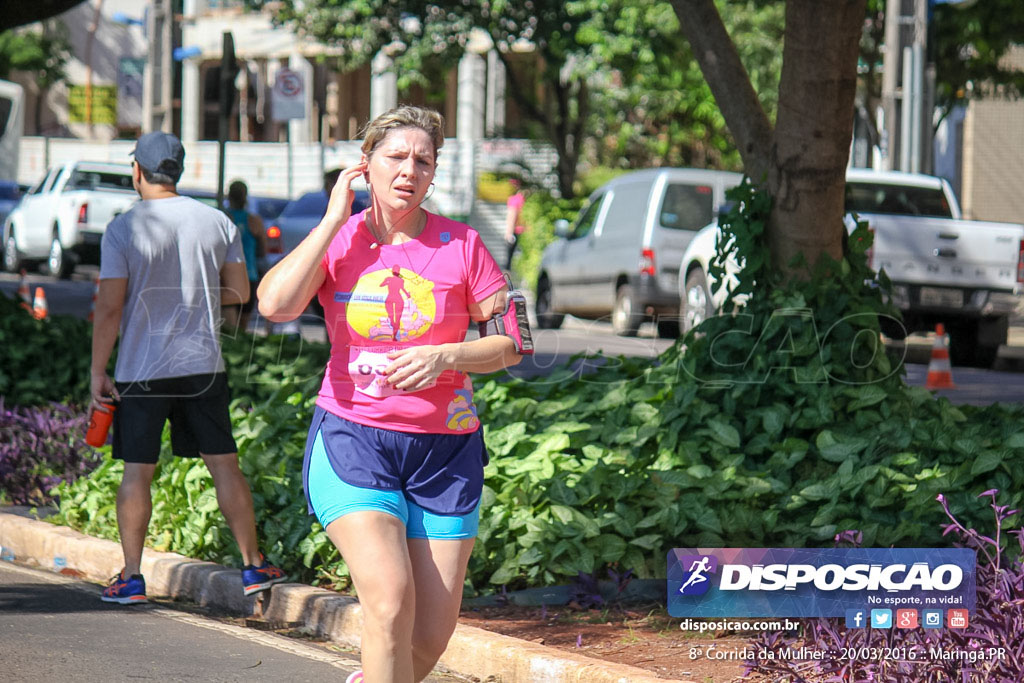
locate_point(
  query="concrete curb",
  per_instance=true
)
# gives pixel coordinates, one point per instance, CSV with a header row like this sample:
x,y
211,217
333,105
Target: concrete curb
x,y
471,652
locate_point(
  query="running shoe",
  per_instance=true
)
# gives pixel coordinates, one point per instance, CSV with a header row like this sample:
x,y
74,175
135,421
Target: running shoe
x,y
125,591
260,578
355,677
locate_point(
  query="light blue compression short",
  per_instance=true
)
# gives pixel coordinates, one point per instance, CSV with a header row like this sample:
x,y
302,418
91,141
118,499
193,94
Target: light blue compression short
x,y
331,498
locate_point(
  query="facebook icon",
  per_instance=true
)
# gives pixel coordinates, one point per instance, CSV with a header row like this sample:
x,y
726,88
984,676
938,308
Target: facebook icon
x,y
855,618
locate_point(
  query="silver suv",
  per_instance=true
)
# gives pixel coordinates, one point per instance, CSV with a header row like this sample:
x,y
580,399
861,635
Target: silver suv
x,y
621,256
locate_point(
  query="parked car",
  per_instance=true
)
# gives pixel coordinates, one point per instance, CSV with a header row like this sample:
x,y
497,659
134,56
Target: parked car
x,y
968,275
10,195
61,219
621,257
298,218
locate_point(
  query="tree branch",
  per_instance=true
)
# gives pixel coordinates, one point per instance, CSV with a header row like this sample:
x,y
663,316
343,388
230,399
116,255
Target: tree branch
x,y
729,82
20,12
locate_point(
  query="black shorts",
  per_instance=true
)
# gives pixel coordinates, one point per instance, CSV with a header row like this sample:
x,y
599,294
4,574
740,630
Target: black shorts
x,y
197,406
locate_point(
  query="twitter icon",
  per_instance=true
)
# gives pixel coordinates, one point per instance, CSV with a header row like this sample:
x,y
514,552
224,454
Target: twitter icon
x,y
881,618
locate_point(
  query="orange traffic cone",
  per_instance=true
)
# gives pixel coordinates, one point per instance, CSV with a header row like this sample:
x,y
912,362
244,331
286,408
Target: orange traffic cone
x,y
23,294
95,293
39,308
940,372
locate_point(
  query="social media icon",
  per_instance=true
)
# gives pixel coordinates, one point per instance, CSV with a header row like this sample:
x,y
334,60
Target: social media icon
x,y
881,618
932,618
856,618
906,618
957,618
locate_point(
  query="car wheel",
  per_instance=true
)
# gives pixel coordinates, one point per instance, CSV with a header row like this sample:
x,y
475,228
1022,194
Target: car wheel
x,y
964,349
695,305
58,262
625,317
12,257
546,319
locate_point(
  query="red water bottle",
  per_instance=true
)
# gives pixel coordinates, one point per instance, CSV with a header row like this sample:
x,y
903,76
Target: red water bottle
x,y
99,425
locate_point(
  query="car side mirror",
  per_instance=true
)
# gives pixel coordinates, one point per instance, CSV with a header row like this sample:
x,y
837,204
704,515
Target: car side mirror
x,y
561,228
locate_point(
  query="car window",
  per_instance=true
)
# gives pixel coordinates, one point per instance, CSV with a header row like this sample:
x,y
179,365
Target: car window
x,y
627,206
903,200
269,209
9,191
45,183
99,180
309,204
687,207
587,220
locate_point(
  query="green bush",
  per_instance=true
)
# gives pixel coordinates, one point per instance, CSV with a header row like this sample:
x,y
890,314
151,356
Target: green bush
x,y
42,360
809,432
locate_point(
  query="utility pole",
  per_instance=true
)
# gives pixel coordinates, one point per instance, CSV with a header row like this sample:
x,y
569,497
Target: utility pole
x,y
158,76
228,73
908,88
890,78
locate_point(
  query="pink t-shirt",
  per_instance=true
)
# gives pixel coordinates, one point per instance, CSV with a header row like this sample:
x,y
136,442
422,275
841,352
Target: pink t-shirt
x,y
392,297
516,201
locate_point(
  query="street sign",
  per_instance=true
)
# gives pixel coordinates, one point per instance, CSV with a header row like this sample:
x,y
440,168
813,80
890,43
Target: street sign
x,y
97,104
288,100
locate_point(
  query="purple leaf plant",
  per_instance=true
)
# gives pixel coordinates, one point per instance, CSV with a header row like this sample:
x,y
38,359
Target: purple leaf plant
x,y
39,448
990,650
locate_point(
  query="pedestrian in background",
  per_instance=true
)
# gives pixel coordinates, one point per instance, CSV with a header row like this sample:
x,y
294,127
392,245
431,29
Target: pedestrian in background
x,y
167,266
254,245
514,220
395,455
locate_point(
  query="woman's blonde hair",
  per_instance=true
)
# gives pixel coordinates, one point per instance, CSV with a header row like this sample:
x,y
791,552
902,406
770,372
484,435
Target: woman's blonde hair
x,y
406,116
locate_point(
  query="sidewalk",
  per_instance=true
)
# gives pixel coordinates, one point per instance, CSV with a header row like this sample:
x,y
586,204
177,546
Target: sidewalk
x,y
472,651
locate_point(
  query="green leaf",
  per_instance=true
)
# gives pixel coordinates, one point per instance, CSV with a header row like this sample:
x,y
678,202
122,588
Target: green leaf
x,y
823,491
867,396
724,433
986,462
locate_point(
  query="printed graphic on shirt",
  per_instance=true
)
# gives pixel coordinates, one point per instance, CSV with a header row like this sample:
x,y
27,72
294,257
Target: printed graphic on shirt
x,y
391,305
461,410
366,368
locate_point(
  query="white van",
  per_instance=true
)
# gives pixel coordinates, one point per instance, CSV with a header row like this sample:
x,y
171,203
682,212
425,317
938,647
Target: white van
x,y
621,256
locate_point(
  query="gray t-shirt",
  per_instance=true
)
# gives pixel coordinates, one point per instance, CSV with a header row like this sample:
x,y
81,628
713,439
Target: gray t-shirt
x,y
172,251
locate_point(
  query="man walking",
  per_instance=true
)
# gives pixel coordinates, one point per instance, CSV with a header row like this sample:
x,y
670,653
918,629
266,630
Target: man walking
x,y
167,267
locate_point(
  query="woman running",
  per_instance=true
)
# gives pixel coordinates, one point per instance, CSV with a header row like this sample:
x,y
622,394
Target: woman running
x,y
395,454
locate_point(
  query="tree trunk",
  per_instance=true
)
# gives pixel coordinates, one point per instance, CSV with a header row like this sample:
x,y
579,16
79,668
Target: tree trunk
x,y
729,82
802,162
554,118
813,130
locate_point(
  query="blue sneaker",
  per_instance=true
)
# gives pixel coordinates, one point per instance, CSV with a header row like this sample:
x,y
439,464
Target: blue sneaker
x,y
125,591
260,578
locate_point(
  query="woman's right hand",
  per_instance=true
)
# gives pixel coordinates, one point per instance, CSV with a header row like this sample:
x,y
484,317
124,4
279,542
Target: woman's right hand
x,y
339,205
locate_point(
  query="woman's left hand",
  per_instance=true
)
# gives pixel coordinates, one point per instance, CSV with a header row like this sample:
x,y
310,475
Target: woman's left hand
x,y
415,368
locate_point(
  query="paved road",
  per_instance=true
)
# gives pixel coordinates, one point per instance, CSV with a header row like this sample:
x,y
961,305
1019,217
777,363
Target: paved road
x,y
56,629
556,347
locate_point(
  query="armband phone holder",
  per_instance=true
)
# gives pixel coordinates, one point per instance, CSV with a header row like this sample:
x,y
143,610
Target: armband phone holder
x,y
512,322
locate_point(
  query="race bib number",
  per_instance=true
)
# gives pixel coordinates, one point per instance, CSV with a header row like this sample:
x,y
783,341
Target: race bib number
x,y
366,368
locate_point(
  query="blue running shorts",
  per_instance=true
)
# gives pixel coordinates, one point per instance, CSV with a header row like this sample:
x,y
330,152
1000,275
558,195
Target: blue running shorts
x,y
431,482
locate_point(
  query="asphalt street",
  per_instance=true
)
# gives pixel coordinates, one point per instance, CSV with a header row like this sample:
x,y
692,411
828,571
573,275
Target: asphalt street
x,y
53,628
554,348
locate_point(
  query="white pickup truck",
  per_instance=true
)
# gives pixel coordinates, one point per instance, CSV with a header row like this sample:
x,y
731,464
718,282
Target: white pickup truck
x,y
60,221
968,275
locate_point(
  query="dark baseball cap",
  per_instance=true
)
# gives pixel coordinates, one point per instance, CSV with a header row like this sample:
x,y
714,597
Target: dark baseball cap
x,y
160,152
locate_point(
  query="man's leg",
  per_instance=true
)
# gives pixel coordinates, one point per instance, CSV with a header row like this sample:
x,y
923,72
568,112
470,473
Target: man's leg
x,y
235,501
134,507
